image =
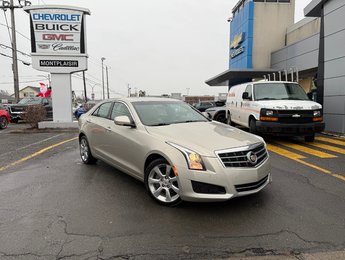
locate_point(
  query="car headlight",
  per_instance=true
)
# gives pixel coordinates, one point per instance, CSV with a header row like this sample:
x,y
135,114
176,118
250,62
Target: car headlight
x,y
194,160
269,112
317,113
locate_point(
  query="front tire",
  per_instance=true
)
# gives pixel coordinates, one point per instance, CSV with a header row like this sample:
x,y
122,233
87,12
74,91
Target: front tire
x,y
161,183
3,122
228,120
85,152
252,126
309,138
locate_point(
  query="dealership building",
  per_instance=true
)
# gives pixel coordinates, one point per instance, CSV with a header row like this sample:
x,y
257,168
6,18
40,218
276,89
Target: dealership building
x,y
266,43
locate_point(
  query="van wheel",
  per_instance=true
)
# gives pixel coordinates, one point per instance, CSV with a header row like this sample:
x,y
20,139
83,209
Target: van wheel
x,y
252,126
228,120
309,138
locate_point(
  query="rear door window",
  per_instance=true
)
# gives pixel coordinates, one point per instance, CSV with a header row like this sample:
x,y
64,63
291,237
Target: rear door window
x,y
103,110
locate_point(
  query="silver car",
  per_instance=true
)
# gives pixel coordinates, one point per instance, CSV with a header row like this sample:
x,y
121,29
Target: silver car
x,y
177,152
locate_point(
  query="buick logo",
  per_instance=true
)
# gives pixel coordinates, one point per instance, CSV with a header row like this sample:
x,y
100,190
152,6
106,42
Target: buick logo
x,y
252,158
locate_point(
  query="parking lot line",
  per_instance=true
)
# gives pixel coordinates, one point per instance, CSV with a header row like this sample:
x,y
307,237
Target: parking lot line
x,y
307,150
284,152
330,140
328,147
36,154
298,158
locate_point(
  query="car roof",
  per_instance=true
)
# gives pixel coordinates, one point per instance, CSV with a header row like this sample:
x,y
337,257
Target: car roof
x,y
143,99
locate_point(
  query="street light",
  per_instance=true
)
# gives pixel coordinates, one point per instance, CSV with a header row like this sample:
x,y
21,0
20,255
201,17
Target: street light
x,y
92,93
103,59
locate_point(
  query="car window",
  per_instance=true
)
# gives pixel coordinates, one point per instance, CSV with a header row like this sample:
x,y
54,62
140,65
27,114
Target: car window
x,y
250,92
103,110
157,113
120,109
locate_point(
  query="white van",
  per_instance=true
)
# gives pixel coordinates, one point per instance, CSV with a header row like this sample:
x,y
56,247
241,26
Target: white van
x,y
274,107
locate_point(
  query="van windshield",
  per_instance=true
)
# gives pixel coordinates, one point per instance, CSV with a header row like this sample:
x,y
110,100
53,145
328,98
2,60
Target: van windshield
x,y
279,91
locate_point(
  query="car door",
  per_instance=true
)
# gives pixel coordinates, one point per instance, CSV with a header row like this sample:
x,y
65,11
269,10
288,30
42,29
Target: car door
x,y
97,125
125,146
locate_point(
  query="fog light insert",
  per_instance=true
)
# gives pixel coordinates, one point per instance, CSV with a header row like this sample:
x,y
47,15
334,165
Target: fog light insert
x,y
206,188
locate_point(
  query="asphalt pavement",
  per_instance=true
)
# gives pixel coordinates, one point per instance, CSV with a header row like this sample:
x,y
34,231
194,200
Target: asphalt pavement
x,y
54,207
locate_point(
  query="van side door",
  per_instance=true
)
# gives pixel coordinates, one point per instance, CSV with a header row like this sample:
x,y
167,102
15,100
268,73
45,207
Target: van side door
x,y
246,104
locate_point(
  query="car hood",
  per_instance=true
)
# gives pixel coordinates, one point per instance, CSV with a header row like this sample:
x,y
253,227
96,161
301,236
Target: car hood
x,y
290,104
204,137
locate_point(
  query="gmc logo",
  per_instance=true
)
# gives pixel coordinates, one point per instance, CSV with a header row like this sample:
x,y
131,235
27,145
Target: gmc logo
x,y
58,37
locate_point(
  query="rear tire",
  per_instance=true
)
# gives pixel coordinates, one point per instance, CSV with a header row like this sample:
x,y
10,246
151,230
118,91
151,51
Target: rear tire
x,y
220,117
161,183
85,152
252,126
309,138
3,122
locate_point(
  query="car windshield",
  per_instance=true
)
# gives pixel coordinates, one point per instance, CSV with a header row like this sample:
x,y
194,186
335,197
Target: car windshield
x,y
30,101
159,113
279,91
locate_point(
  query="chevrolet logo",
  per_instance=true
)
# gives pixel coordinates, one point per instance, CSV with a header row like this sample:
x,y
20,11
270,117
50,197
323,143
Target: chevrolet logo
x,y
238,39
296,115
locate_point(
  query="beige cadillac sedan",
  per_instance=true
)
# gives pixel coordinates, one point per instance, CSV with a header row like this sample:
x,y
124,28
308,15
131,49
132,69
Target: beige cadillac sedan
x,y
177,152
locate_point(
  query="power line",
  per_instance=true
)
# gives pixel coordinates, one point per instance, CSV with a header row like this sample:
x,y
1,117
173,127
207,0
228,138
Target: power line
x,y
8,47
21,34
8,56
8,28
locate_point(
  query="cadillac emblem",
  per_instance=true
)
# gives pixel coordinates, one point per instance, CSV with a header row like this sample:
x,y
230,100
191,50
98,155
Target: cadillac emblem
x,y
252,158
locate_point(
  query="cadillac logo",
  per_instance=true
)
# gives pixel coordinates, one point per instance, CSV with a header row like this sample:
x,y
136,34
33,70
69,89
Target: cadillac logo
x,y
252,158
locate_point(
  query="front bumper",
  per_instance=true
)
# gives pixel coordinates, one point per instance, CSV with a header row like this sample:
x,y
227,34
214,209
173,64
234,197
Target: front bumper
x,y
219,183
289,129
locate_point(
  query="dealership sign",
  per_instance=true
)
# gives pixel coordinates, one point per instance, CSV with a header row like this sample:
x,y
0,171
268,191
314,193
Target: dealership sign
x,y
57,31
58,42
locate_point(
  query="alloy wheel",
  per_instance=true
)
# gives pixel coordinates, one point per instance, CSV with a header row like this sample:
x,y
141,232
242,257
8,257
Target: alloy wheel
x,y
162,184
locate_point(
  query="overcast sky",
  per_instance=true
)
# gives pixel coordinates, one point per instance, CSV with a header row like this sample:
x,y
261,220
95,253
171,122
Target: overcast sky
x,y
160,46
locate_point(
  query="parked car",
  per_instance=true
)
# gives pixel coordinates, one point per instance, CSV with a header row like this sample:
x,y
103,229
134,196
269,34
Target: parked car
x,y
4,118
16,111
217,113
203,105
274,107
177,152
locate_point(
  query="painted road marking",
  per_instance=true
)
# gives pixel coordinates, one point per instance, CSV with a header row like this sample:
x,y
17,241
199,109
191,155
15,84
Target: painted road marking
x,y
36,153
329,147
329,140
27,146
307,150
298,158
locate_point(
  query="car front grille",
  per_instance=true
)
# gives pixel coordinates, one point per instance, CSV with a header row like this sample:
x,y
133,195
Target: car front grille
x,y
251,186
295,116
242,157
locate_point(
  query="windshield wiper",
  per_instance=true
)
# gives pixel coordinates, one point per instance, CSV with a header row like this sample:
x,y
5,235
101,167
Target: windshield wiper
x,y
160,124
266,99
189,121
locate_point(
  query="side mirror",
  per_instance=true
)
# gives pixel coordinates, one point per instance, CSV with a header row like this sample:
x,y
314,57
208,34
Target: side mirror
x,y
123,121
245,96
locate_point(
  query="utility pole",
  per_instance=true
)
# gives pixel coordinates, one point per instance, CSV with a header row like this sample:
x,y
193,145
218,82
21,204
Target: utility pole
x,y
10,5
14,55
106,71
102,59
